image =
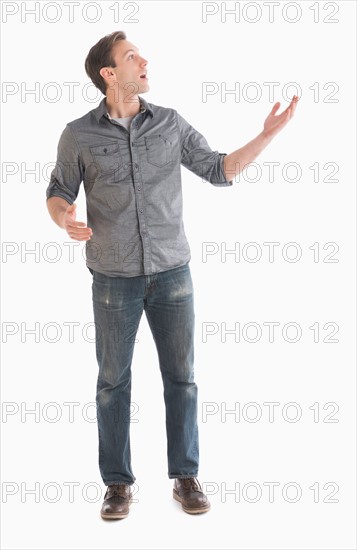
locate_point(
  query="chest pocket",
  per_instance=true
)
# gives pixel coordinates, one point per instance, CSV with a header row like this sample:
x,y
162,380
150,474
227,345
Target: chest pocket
x,y
107,158
159,150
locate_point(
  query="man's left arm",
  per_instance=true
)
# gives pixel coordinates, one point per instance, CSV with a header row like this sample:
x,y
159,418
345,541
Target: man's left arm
x,y
237,161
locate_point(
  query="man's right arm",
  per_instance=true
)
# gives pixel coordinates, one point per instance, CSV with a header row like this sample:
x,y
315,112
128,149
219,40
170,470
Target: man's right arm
x,y
63,188
64,215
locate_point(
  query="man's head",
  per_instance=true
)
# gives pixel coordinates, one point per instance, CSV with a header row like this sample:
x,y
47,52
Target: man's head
x,y
114,62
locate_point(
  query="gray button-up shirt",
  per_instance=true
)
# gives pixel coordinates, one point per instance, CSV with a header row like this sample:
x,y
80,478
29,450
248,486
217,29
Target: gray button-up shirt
x,y
132,182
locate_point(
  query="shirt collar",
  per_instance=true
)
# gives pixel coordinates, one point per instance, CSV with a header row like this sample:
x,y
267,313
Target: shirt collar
x,y
101,110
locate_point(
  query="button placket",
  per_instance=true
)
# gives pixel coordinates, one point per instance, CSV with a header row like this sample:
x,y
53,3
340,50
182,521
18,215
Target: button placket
x,y
140,201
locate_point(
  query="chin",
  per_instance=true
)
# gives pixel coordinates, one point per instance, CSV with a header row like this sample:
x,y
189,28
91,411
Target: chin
x,y
145,88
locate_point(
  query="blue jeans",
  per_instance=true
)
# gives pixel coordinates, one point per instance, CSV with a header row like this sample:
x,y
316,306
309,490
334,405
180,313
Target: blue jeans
x,y
118,304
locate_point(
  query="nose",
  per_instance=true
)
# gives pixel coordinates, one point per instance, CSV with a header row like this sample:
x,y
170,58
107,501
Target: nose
x,y
143,61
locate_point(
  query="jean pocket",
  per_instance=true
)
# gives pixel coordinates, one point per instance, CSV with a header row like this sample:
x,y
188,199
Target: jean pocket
x,y
107,158
159,150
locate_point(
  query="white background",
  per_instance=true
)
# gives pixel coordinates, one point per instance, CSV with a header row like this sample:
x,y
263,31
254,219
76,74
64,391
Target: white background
x,y
37,451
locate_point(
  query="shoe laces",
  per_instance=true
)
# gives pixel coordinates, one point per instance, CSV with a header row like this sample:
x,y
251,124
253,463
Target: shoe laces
x,y
116,490
192,483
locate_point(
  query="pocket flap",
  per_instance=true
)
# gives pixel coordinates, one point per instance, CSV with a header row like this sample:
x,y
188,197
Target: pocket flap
x,y
105,149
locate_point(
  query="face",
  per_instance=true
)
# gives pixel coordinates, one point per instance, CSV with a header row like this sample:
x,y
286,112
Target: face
x,y
130,71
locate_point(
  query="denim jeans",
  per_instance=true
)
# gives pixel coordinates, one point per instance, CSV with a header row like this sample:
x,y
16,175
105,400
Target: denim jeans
x,y
118,303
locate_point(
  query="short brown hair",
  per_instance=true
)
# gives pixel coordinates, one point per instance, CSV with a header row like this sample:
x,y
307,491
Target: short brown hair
x,y
100,55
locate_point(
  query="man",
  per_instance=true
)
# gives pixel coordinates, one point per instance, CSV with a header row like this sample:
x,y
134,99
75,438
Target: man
x,y
128,153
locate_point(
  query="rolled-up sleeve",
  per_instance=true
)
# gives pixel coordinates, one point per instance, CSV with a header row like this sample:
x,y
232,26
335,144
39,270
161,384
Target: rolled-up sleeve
x,y
67,175
198,157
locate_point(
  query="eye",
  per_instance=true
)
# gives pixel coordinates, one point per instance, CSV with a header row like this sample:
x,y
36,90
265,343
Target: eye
x,y
131,55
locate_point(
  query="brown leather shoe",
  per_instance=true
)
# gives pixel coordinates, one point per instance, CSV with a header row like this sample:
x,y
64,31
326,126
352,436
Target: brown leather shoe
x,y
116,503
189,493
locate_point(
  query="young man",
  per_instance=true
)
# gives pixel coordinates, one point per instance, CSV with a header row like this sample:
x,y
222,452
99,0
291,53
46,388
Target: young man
x,y
128,154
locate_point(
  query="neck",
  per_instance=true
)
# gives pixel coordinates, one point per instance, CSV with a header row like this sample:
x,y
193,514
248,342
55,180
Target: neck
x,y
121,108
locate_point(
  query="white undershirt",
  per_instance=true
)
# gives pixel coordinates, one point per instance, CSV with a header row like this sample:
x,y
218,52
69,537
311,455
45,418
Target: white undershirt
x,y
125,121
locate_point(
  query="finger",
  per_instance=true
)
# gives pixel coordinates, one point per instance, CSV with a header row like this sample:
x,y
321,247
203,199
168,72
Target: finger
x,y
295,103
290,108
78,233
275,108
80,236
294,99
73,223
85,231
74,228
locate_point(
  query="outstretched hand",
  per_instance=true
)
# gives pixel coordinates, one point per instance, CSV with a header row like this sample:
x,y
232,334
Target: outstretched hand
x,y
274,123
76,230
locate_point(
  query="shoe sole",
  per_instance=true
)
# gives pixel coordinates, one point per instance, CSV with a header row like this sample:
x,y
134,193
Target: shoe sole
x,y
115,515
190,510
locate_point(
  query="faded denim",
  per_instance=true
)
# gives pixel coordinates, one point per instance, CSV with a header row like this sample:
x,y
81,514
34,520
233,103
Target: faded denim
x,y
168,301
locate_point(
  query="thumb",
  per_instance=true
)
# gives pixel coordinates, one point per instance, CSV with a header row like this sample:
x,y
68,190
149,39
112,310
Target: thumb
x,y
275,108
71,208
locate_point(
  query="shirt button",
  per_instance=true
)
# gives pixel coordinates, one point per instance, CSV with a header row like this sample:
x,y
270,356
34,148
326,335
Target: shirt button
x,y
141,210
139,188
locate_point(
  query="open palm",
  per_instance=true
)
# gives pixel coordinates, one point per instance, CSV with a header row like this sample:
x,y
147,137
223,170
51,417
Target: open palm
x,y
274,123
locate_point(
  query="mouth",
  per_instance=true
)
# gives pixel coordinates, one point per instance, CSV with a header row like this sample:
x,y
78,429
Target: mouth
x,y
143,76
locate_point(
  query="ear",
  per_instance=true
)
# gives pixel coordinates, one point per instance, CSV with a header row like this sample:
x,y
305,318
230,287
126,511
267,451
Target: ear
x,y
105,72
